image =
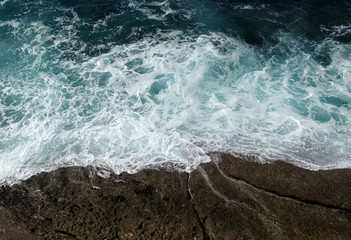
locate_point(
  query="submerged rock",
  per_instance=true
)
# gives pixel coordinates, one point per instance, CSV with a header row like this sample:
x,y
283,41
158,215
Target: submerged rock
x,y
230,198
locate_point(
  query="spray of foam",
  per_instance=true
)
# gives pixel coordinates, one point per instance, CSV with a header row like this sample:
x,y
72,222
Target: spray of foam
x,y
166,100
3,2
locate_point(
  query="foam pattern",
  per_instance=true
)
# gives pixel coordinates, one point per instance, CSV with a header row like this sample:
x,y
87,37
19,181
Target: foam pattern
x,y
165,96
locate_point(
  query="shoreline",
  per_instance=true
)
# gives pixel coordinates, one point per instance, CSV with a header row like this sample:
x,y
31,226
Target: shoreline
x,y
228,198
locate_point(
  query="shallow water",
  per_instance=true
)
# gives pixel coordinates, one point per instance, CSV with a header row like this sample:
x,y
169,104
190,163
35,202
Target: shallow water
x,y
133,84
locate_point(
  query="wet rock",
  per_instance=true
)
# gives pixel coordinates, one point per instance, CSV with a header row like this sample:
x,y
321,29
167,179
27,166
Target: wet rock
x,y
330,188
11,231
229,198
76,203
232,209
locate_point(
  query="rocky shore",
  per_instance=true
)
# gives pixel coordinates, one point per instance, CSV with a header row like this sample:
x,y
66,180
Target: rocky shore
x,y
228,198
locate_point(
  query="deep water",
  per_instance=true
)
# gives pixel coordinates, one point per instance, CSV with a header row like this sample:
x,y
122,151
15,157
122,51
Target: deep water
x,y
134,84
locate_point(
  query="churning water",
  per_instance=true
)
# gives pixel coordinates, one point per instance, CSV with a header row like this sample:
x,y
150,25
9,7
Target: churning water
x,y
132,84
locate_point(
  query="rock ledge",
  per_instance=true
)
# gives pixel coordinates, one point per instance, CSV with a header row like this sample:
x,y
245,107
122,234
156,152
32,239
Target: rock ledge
x,y
229,198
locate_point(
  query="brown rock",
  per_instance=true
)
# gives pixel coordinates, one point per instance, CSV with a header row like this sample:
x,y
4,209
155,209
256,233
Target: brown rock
x,y
329,187
76,203
11,231
233,209
228,199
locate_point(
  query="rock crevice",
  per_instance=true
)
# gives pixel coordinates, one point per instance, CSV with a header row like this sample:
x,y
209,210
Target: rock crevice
x,y
201,222
292,197
228,198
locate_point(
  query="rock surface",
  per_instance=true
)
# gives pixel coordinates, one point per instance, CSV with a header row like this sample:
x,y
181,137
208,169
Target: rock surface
x,y
11,231
230,198
330,188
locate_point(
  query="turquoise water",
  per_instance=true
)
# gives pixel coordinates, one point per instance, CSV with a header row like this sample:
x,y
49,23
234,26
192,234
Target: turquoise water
x,y
132,84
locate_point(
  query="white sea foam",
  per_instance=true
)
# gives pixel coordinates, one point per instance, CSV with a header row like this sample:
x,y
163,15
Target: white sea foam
x,y
3,2
167,100
158,10
337,31
249,6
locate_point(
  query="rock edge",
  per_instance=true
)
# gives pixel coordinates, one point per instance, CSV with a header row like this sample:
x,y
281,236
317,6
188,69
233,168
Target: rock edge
x,y
228,198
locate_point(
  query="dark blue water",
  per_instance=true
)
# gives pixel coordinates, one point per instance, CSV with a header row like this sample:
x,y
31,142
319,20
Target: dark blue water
x,y
132,84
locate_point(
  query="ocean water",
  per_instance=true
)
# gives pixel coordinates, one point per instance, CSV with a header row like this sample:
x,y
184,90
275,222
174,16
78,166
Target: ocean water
x,y
132,84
